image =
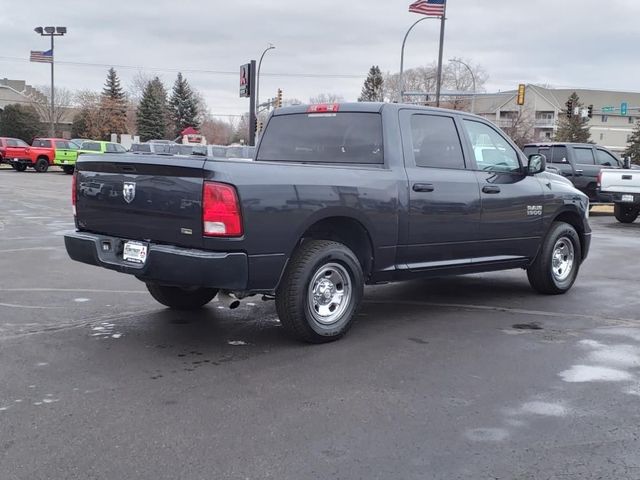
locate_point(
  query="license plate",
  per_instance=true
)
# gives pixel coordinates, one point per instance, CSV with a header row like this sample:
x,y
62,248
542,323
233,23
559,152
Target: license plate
x,y
627,198
134,252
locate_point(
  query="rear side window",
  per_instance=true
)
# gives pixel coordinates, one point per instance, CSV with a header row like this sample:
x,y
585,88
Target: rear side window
x,y
91,146
584,156
436,142
532,151
141,147
42,143
343,137
11,142
559,154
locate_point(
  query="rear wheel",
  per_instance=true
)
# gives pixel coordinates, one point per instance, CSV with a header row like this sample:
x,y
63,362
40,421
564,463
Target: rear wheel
x,y
626,213
68,169
556,267
320,291
42,165
181,298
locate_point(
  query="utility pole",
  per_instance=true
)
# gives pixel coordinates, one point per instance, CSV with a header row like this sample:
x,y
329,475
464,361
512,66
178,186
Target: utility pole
x,y
443,19
52,32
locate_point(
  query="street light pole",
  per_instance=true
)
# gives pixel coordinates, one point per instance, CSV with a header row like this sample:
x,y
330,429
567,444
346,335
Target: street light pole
x,y
270,47
52,32
473,79
404,41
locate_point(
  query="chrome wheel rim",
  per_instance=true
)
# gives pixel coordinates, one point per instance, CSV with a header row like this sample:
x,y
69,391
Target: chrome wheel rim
x,y
563,258
329,293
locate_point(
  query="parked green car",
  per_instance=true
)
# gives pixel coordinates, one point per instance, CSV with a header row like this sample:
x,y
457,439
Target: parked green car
x,y
99,147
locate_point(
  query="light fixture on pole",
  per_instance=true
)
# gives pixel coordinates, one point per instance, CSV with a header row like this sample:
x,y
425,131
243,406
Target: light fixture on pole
x,y
473,79
270,47
51,32
404,41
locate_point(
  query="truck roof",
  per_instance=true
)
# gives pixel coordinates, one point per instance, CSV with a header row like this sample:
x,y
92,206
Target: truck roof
x,y
369,107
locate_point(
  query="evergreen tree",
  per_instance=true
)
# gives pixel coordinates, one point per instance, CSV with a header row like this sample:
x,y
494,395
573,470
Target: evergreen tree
x,y
183,106
152,112
114,102
20,121
633,149
574,128
372,88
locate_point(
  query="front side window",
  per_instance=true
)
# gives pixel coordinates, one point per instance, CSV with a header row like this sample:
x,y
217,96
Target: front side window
x,y
111,148
605,158
341,137
584,156
436,142
491,150
120,148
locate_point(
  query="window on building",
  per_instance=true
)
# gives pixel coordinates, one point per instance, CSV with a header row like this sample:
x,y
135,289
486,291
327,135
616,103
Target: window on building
x,y
631,119
605,118
602,136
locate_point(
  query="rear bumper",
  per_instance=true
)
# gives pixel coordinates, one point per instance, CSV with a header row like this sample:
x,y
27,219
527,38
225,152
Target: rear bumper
x,y
616,197
165,264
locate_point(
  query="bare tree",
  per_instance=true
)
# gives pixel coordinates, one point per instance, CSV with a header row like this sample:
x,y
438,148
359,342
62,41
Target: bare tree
x,y
519,125
137,85
216,131
327,98
62,105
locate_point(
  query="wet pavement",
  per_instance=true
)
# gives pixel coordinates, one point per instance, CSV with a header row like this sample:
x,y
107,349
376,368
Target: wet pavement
x,y
473,377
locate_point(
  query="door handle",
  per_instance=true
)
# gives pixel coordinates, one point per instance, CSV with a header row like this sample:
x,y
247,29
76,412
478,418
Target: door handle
x,y
423,187
491,189
579,172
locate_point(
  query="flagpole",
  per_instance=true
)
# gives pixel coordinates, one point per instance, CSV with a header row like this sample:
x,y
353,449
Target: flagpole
x,y
53,125
439,79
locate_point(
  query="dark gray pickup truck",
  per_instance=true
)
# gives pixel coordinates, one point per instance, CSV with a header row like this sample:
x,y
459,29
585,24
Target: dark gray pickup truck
x,y
338,196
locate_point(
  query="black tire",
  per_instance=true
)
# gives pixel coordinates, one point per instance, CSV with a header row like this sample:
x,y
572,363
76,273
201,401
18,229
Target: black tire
x,y
181,298
68,169
314,259
20,167
626,213
550,273
41,165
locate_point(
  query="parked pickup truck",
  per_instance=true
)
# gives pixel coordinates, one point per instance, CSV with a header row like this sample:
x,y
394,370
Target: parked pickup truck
x,y
13,151
623,187
45,152
339,196
579,162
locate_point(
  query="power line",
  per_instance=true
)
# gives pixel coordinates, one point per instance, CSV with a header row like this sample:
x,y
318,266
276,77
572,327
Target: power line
x,y
191,70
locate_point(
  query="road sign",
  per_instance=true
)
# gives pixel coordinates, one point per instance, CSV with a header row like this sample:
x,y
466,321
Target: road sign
x,y
607,109
624,107
245,80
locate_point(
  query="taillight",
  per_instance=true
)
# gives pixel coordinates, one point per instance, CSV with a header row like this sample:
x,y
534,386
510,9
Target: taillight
x,y
220,211
599,180
74,192
323,108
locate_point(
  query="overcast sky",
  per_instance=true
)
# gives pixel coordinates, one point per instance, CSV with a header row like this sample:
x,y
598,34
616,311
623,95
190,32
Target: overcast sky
x,y
565,43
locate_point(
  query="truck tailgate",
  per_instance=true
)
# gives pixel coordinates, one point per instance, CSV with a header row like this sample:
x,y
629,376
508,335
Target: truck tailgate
x,y
151,198
620,181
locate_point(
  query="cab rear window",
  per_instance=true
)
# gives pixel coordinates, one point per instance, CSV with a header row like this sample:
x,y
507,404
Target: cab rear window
x,y
42,143
343,137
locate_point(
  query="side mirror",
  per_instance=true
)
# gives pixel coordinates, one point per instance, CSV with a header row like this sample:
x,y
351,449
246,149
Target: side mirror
x,y
537,164
626,163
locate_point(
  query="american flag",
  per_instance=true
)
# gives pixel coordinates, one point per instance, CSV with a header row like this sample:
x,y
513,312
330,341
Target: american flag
x,y
434,8
42,57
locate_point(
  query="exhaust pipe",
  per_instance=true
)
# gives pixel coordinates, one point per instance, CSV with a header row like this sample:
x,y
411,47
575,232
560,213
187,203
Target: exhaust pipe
x,y
228,299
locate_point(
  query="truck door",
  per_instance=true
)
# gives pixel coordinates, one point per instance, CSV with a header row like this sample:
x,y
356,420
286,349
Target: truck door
x,y
586,171
512,202
444,201
62,152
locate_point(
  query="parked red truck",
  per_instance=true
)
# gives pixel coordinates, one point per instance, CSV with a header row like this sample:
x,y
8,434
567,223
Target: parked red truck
x,y
14,152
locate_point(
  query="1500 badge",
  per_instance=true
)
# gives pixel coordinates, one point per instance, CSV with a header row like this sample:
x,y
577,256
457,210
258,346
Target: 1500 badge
x,y
534,210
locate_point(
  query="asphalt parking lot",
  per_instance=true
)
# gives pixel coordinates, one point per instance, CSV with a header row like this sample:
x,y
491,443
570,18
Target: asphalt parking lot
x,y
472,377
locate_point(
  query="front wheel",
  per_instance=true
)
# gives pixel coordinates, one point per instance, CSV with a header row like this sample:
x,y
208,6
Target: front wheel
x,y
181,298
626,213
19,167
320,291
556,267
68,169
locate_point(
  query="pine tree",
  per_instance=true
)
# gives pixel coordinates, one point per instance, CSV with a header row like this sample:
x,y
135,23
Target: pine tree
x,y
573,128
633,149
372,88
183,106
114,102
152,112
20,121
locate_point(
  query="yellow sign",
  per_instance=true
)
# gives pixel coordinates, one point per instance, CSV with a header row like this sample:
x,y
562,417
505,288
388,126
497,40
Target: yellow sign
x,y
521,90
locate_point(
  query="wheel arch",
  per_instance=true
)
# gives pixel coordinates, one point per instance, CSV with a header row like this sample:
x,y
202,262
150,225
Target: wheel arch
x,y
575,219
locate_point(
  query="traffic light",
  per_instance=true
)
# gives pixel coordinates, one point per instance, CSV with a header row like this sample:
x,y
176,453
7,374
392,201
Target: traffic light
x,y
279,98
569,105
590,111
